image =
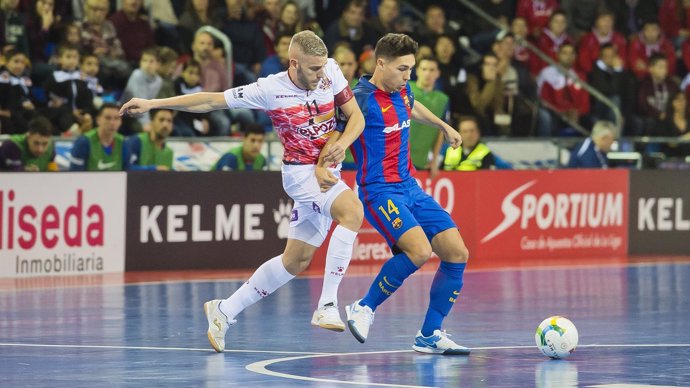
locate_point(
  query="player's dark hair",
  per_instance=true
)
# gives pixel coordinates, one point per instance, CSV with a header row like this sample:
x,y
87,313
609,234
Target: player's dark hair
x,y
395,45
107,105
154,112
255,129
40,126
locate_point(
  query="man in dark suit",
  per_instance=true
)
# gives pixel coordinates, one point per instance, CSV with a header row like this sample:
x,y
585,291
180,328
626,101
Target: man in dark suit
x,y
591,153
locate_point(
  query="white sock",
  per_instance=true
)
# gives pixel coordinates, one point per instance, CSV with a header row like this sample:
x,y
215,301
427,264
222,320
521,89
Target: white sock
x,y
337,259
270,276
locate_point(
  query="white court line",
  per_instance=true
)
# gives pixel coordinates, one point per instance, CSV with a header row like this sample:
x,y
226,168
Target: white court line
x,y
154,348
260,366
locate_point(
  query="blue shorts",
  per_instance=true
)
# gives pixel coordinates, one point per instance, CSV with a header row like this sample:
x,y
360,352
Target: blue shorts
x,y
395,208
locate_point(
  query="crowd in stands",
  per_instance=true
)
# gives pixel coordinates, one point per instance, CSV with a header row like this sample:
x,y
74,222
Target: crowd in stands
x,y
64,60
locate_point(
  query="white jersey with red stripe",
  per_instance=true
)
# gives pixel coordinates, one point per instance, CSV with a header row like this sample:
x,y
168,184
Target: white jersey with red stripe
x,y
303,119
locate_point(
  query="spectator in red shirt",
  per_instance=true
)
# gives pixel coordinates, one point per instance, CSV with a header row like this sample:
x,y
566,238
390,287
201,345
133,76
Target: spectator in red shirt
x,y
537,13
602,33
560,87
648,42
674,19
551,39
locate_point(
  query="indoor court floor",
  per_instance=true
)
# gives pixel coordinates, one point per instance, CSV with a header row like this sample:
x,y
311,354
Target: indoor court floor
x,y
145,330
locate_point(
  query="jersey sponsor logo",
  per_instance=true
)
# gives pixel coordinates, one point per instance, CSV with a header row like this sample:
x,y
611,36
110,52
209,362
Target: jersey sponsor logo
x,y
397,127
238,92
279,96
325,84
104,166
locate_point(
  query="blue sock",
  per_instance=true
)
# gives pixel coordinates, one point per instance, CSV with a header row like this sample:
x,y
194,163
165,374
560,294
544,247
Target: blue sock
x,y
390,277
444,292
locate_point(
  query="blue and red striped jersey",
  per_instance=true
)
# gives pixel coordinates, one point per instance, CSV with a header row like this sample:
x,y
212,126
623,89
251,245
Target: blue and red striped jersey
x,y
382,152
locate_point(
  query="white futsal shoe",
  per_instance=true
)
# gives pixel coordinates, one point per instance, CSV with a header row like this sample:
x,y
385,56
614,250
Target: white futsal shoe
x,y
359,319
438,343
327,317
218,324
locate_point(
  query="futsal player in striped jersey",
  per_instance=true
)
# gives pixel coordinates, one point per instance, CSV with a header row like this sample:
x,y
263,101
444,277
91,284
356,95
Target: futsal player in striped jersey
x,y
410,220
301,103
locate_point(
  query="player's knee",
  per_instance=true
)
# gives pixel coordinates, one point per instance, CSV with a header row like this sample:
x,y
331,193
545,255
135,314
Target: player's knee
x,y
463,254
352,219
296,264
419,255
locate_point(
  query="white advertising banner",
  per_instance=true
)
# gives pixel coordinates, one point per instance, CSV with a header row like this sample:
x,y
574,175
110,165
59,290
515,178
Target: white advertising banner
x,y
54,224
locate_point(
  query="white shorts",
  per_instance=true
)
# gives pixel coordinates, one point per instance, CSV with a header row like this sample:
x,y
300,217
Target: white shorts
x,y
311,214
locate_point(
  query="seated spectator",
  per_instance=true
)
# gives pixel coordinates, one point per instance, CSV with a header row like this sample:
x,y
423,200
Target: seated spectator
x,y
473,154
42,28
102,148
450,64
551,39
610,78
70,102
485,91
602,34
280,61
536,13
560,88
676,125
197,13
384,22
426,140
147,150
144,81
674,21
248,49
33,151
246,157
582,15
650,41
267,17
168,58
518,89
654,93
347,62
133,30
631,15
99,36
434,26
519,29
351,28
190,124
15,84
89,72
13,34
591,153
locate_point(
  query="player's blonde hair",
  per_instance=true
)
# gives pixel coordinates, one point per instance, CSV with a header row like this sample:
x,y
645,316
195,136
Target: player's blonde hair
x,y
309,43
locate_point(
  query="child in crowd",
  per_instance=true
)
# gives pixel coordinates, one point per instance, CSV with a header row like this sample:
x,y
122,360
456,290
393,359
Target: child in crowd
x,y
186,123
89,73
70,102
144,82
17,108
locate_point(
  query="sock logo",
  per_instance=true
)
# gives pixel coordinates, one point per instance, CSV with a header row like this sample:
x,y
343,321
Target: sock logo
x,y
340,271
262,293
282,217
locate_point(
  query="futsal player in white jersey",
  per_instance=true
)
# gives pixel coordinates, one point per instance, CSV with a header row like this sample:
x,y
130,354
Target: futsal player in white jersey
x,y
301,103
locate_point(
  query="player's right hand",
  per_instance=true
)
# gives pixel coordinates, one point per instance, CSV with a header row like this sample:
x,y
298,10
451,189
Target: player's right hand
x,y
135,106
325,178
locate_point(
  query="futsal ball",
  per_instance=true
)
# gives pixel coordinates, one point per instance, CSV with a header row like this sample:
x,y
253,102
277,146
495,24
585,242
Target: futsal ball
x,y
556,337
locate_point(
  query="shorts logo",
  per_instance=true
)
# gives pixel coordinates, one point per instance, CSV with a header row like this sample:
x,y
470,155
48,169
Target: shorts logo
x,y
397,223
294,216
316,207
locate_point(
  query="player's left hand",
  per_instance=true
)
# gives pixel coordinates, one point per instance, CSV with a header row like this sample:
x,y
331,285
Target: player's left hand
x,y
453,137
335,153
325,178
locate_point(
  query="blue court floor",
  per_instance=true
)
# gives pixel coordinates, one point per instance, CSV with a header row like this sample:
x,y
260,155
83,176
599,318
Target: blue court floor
x,y
633,320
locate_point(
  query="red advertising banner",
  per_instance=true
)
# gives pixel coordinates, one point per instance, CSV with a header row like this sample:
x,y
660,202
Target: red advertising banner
x,y
514,215
559,213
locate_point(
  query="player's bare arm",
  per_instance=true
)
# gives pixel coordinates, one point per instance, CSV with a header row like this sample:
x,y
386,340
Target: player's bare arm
x,y
196,103
425,116
334,150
